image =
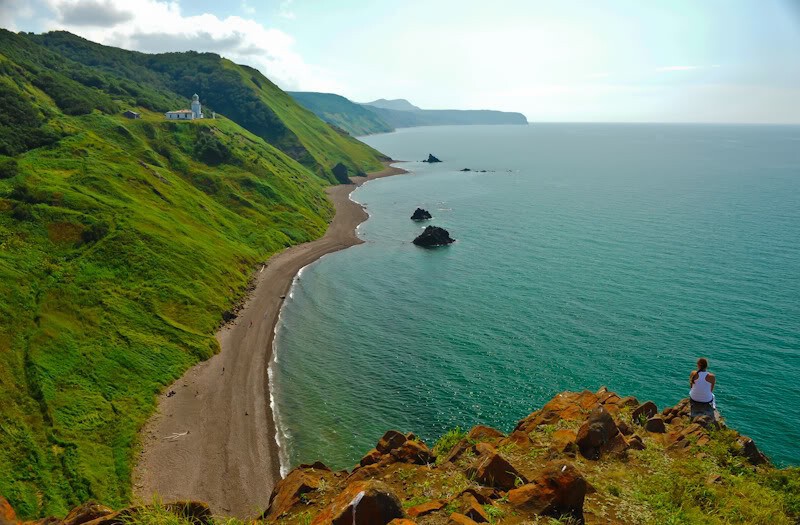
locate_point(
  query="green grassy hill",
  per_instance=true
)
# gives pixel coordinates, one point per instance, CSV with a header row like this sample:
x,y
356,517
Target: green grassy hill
x,y
341,112
122,242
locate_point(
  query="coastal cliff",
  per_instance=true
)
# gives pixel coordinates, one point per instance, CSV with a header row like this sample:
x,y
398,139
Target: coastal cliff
x,y
584,457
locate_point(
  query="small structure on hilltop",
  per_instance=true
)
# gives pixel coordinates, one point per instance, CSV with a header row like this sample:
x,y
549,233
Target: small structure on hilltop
x,y
187,114
131,114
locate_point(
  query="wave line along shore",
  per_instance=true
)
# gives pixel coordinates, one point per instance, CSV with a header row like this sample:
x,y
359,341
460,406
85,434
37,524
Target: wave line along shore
x,y
215,439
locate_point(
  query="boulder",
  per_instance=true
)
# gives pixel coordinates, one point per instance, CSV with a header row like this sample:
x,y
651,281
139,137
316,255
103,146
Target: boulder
x,y
455,452
599,434
491,469
644,411
460,519
421,215
7,514
402,521
558,490
390,441
362,503
426,508
471,508
371,457
655,424
87,512
431,159
433,236
635,442
482,432
750,451
289,490
412,452
484,495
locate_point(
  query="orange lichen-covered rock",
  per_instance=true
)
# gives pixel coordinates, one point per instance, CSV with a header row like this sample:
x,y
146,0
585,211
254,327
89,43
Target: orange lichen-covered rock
x,y
471,508
482,432
599,434
557,490
289,490
412,452
402,521
426,508
7,514
390,441
362,503
563,440
371,457
644,412
490,468
460,519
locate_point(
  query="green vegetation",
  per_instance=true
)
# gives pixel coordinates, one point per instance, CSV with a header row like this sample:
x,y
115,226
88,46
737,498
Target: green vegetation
x,y
123,241
341,112
447,442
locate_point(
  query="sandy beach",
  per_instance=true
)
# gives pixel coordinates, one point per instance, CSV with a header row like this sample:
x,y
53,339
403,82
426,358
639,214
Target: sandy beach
x,y
214,439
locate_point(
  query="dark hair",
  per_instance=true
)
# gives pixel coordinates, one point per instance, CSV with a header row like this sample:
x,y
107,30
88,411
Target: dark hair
x,y
702,364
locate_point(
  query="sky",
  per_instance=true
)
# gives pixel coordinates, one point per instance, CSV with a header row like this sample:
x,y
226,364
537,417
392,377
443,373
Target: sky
x,y
554,60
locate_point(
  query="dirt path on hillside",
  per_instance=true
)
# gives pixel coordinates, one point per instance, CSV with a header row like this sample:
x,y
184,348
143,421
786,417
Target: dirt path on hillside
x,y
214,440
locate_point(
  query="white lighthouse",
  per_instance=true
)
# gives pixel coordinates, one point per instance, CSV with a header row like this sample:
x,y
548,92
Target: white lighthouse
x,y
196,109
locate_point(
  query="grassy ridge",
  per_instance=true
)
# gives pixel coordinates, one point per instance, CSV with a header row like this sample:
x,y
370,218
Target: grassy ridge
x,y
122,242
240,92
341,112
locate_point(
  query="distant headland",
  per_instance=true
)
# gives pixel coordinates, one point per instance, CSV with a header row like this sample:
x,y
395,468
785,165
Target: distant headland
x,y
382,115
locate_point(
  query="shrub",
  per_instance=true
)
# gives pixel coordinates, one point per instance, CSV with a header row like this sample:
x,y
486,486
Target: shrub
x,y
8,167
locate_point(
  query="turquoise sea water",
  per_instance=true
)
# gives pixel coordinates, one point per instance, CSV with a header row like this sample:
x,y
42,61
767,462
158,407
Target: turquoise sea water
x,y
593,255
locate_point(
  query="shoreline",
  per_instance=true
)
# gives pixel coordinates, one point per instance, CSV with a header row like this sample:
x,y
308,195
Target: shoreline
x,y
215,439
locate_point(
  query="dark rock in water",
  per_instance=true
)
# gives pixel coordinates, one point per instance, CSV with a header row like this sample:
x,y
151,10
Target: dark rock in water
x,y
340,172
421,215
431,158
434,236
466,169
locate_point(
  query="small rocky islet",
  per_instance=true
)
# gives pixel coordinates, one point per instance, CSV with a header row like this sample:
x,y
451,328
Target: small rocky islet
x,y
433,236
421,214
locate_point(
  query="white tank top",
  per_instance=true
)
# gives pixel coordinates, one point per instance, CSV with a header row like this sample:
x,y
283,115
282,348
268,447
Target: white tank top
x,y
701,389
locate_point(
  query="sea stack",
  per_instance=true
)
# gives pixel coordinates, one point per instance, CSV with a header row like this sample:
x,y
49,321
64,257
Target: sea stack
x,y
434,236
421,215
431,159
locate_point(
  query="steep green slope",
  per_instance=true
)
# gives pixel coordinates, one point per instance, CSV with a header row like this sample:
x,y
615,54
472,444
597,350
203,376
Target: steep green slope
x,y
122,242
240,92
341,112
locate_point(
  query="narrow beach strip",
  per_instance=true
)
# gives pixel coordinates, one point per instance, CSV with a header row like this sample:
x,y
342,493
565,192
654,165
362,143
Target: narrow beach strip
x,y
215,439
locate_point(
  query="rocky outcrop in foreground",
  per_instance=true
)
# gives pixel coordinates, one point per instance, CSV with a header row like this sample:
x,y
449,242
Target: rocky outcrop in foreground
x,y
421,215
584,457
433,236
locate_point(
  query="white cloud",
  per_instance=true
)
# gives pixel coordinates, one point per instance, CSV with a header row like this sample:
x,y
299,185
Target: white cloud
x,y
160,26
12,11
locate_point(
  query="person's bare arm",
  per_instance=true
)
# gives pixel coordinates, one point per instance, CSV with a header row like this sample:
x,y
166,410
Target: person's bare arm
x,y
691,378
711,378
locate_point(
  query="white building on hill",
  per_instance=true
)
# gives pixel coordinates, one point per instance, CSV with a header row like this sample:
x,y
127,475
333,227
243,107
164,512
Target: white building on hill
x,y
187,114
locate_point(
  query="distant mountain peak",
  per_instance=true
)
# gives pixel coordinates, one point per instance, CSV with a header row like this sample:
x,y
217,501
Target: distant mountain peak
x,y
397,104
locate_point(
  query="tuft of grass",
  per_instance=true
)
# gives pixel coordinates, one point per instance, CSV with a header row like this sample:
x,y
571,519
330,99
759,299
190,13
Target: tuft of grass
x,y
447,442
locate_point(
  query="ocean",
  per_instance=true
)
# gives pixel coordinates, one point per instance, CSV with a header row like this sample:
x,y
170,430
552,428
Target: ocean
x,y
586,255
